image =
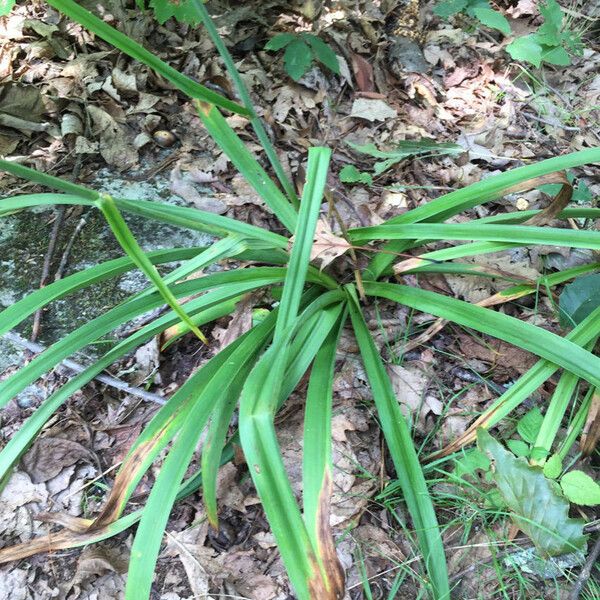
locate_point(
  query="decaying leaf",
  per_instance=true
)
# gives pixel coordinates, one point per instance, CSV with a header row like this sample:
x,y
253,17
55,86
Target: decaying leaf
x,y
536,505
327,246
114,146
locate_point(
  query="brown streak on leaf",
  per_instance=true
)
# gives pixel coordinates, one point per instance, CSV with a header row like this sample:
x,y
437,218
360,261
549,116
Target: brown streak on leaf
x,y
334,579
49,543
203,107
556,206
113,507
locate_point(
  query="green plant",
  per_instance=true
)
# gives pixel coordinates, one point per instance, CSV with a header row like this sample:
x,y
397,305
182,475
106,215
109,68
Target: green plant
x,y
476,9
259,370
301,50
553,42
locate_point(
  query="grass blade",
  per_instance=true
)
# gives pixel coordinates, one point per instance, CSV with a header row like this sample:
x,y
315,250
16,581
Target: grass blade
x,y
317,464
455,202
522,388
402,451
246,164
124,43
514,234
241,282
312,196
129,244
255,121
18,312
529,337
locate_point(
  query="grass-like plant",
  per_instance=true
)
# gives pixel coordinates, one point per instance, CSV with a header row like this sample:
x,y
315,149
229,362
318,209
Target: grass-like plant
x,y
259,371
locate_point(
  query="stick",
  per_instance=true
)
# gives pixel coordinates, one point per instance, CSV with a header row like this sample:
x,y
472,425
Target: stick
x,y
586,571
37,317
113,382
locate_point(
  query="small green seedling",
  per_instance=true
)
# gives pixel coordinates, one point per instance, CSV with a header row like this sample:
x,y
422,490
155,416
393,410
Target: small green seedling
x,y
301,50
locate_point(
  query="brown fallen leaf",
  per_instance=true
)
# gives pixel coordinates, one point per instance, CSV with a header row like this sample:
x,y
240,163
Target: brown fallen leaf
x,y
114,145
50,455
327,246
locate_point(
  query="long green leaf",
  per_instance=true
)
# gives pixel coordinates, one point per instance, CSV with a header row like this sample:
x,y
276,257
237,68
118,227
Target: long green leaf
x,y
246,278
316,177
317,464
246,164
402,451
524,335
455,202
524,386
255,121
130,245
128,46
18,312
519,234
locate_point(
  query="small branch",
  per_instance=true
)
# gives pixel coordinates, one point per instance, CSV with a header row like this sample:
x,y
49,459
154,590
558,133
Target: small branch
x,y
586,572
112,382
67,252
37,317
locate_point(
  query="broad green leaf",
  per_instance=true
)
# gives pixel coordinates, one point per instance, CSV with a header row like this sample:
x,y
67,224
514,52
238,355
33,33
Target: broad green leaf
x,y
553,14
472,460
535,505
6,6
401,447
448,8
580,488
279,41
493,19
350,174
556,56
529,425
128,46
579,299
297,58
553,467
527,49
182,10
323,52
518,447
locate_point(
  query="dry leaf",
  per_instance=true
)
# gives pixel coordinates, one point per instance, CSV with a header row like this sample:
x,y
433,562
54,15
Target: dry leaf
x,y
327,246
372,110
50,455
114,146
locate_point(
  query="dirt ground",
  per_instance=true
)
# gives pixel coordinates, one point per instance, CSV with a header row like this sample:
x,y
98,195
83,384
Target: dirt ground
x,y
77,107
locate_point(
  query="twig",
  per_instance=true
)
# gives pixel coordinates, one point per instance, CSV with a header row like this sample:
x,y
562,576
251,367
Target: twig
x,y
586,571
547,122
37,317
113,382
67,252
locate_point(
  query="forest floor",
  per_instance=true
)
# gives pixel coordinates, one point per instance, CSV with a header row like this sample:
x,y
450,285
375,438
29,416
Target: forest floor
x,y
72,106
